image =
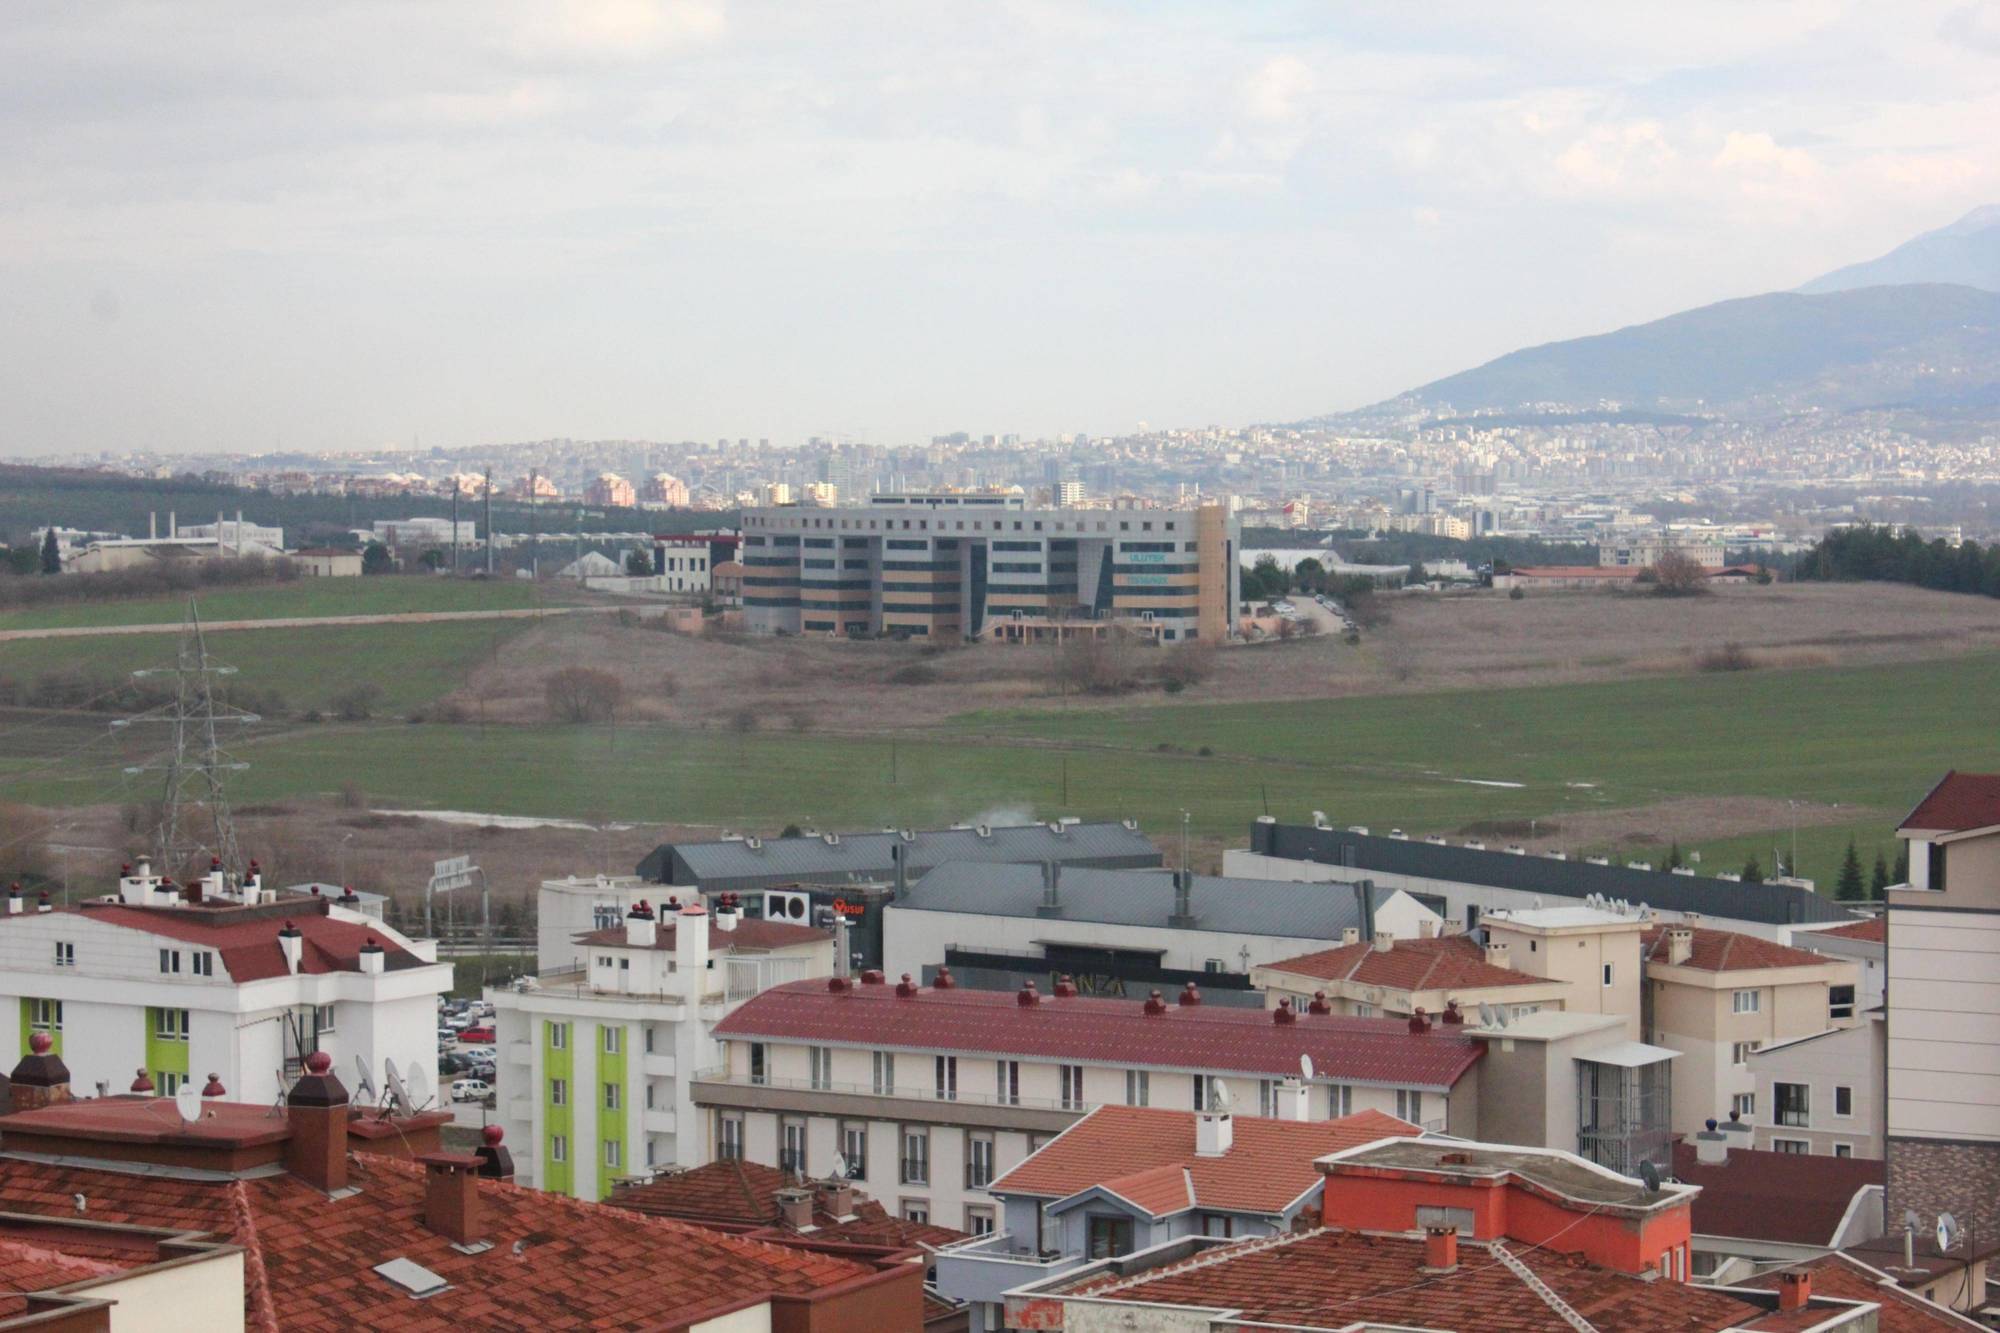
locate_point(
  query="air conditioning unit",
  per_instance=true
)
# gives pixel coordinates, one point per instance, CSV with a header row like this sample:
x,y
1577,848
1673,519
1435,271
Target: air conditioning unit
x,y
793,907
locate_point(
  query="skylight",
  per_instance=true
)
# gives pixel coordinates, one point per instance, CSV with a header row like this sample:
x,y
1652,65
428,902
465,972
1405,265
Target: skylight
x,y
412,1277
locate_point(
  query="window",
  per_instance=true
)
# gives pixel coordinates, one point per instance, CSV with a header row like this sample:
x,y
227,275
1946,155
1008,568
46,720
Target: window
x,y
168,1082
947,1078
1201,1092
792,1146
1214,965
885,1073
1840,1002
1791,1104
978,1161
649,1040
1072,1087
760,1066
558,1036
604,960
558,1092
614,1153
1843,1101
613,1095
854,1147
1797,1147
916,1210
1109,1237
558,1147
915,1166
1747,1001
322,1017
168,1024
1437,1215
1267,1097
729,1138
204,963
822,1067
1739,1052
649,1096
1608,972
978,1220
170,961
1138,1087
1217,1224
1339,1101
614,1040
1007,1082
1410,1105
65,953
1744,1104
1843,1150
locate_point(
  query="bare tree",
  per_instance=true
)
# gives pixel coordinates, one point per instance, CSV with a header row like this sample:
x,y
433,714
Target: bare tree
x,y
1678,574
582,694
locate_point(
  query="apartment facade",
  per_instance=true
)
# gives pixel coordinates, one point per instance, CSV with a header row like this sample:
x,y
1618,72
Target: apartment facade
x,y
594,1060
215,978
927,1094
972,565
1821,1095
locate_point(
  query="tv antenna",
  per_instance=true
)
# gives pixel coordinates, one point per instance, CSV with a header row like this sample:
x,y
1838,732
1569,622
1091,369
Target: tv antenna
x,y
194,814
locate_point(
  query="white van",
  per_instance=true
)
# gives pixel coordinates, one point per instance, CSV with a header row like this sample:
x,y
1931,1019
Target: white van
x,y
471,1090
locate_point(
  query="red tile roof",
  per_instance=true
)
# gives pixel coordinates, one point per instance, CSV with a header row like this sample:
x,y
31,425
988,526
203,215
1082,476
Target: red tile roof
x,y
1451,962
27,1268
1727,951
1960,801
1875,929
556,1263
1792,1198
246,938
1848,1279
743,1194
1110,1032
1147,1155
1334,1278
1578,571
749,934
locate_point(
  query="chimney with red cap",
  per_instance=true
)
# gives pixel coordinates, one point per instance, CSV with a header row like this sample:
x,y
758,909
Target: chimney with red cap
x,y
14,903
1318,1004
1190,995
293,944
372,958
691,958
1794,1289
495,1162
41,1079
451,1196
142,1084
1440,1249
316,1111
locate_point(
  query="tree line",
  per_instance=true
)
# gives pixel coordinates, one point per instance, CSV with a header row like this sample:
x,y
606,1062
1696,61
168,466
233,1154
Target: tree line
x,y
1885,554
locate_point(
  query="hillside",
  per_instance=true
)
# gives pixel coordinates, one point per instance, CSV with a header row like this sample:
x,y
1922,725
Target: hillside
x,y
1966,253
1928,346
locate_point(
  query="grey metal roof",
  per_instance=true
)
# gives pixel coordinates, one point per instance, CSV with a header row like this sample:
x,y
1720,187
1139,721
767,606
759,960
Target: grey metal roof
x,y
1771,904
1142,898
841,857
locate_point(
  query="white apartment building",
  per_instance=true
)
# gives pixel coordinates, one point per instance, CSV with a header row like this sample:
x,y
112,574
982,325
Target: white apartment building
x,y
927,1094
216,978
567,909
595,1059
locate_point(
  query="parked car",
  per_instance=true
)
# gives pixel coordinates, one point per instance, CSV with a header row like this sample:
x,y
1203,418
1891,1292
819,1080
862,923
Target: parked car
x,y
471,1090
481,1069
481,1035
454,1064
459,1020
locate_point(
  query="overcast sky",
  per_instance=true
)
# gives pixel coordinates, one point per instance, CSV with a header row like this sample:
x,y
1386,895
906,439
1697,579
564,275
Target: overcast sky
x,y
340,225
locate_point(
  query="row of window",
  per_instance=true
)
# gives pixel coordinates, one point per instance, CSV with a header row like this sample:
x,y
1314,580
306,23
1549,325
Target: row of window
x,y
201,962
614,1150
923,525
611,1040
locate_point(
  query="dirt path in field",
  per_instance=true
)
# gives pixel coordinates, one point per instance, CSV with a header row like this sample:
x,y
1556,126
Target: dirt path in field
x,y
1691,819
299,622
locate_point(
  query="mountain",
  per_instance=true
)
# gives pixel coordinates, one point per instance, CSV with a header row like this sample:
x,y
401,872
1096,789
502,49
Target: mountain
x,y
1967,252
1930,346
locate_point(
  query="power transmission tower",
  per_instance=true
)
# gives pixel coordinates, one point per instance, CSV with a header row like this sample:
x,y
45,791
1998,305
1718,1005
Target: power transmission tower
x,y
194,814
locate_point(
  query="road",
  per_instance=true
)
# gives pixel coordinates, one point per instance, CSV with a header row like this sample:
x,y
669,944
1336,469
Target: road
x,y
300,622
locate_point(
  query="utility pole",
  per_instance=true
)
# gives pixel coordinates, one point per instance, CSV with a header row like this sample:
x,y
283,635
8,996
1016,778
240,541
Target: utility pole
x,y
534,530
489,525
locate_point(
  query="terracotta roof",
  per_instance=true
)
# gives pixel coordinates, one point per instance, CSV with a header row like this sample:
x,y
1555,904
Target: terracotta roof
x,y
1848,1279
27,1268
246,938
1578,571
1147,1155
1451,962
556,1263
749,934
1111,1032
1960,801
1727,951
739,1193
1334,1278
1875,929
1792,1198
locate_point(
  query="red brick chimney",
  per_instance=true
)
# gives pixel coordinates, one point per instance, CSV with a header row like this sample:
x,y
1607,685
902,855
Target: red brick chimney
x,y
1440,1249
41,1079
795,1208
836,1197
316,1111
1794,1290
451,1196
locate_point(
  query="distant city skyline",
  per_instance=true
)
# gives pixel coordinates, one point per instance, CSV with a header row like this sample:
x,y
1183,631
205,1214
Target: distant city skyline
x,y
236,229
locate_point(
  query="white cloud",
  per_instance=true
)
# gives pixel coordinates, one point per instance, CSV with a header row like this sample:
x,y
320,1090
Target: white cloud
x,y
1278,89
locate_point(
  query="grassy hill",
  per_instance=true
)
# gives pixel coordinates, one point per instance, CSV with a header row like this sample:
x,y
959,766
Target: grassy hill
x,y
388,595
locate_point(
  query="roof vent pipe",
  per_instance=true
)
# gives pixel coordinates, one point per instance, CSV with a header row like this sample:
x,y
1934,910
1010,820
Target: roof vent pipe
x,y
1183,917
1051,889
898,859
1364,899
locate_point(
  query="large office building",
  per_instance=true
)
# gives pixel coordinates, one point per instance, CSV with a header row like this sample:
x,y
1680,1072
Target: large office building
x,y
973,565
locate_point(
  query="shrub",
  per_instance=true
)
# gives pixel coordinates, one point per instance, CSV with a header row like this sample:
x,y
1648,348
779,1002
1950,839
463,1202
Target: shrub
x,y
916,673
356,703
1186,664
1515,594
582,694
352,797
1729,657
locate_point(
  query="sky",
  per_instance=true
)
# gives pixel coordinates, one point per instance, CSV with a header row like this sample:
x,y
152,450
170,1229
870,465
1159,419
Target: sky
x,y
244,227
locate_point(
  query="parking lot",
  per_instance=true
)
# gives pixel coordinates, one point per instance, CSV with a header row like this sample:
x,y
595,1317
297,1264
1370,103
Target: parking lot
x,y
459,1059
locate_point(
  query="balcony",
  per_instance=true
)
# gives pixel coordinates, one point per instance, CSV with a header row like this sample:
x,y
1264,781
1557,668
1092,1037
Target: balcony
x,y
657,1065
660,1122
985,1268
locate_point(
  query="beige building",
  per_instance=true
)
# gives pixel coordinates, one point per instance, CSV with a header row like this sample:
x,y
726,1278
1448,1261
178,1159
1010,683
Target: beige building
x,y
1822,1094
1397,977
1593,954
327,562
1716,996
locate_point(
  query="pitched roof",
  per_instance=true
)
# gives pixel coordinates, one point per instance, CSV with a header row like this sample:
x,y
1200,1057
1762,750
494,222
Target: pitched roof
x,y
1450,962
1849,1279
1142,898
738,1193
868,856
246,938
1791,1198
1728,951
1770,904
29,1268
556,1263
750,933
1960,801
1147,1155
1336,1279
1110,1032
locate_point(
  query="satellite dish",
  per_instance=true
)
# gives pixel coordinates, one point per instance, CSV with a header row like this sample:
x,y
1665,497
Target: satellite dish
x,y
1650,1174
1486,1019
840,1169
1305,1066
1911,1222
419,1088
1947,1232
1220,1098
365,1085
188,1102
397,1093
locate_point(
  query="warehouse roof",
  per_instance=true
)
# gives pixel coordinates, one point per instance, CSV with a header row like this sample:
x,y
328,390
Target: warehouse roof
x,y
1770,904
1142,898
840,857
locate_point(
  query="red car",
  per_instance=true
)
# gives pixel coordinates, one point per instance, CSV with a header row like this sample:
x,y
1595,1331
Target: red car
x,y
478,1036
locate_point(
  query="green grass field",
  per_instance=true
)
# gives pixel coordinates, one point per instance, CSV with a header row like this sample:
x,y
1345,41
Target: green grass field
x,y
1870,738
387,595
